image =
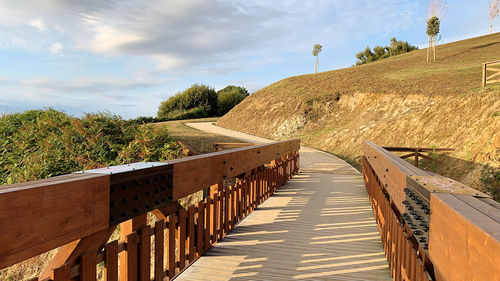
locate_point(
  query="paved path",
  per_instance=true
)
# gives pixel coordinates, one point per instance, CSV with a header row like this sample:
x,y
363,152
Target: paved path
x,y
319,226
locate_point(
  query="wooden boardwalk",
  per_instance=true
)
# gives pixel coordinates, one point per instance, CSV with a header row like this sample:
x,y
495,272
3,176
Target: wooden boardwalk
x,y
319,226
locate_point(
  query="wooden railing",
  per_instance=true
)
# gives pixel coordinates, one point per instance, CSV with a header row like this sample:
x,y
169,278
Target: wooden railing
x,y
81,211
416,152
432,228
493,66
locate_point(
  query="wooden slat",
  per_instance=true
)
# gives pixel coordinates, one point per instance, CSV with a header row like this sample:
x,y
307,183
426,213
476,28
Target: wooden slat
x,y
208,223
111,261
131,257
35,212
215,229
159,247
145,254
171,246
199,229
88,270
227,210
62,273
127,228
182,239
192,174
190,237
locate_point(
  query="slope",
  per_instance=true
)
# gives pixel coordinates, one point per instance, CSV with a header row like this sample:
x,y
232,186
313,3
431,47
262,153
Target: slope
x,y
399,101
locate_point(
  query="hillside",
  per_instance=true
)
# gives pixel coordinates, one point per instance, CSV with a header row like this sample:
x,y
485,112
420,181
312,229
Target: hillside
x,y
399,101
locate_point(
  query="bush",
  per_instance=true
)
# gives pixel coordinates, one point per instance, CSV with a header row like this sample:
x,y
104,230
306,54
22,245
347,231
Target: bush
x,y
490,181
229,97
197,96
379,52
38,144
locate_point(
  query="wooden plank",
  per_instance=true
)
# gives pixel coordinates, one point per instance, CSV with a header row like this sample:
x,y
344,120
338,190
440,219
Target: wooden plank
x,y
131,258
127,228
192,174
111,261
199,229
190,237
208,223
215,229
145,254
62,273
88,267
42,221
171,246
159,247
464,243
227,210
182,238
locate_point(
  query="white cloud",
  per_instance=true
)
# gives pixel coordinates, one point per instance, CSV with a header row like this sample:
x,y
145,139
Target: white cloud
x,y
56,48
39,24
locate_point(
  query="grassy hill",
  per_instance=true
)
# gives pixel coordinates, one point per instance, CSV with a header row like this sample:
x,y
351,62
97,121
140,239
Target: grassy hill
x,y
399,101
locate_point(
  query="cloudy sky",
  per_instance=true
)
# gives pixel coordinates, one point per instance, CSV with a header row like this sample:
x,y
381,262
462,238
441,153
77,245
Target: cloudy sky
x,y
127,56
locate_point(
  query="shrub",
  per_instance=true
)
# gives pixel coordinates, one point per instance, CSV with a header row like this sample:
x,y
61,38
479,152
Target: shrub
x,y
490,181
196,96
229,97
379,52
38,144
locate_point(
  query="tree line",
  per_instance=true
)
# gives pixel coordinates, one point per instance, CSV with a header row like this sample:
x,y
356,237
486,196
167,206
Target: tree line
x,y
199,101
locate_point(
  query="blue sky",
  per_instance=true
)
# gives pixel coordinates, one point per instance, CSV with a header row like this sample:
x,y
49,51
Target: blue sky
x,y
127,56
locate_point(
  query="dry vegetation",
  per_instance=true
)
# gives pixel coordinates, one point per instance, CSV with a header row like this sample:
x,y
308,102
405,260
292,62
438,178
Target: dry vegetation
x,y
399,101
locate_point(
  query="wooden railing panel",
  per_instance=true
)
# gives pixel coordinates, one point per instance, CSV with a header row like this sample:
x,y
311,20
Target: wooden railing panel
x,y
464,239
194,172
462,235
46,214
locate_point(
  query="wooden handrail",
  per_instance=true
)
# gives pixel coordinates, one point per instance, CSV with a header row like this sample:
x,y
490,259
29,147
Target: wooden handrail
x,y
431,225
416,151
42,215
489,79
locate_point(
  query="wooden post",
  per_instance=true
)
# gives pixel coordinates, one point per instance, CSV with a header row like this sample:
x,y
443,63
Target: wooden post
x,y
483,81
127,228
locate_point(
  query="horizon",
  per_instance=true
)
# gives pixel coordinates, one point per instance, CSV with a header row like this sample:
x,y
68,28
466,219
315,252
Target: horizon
x,y
127,58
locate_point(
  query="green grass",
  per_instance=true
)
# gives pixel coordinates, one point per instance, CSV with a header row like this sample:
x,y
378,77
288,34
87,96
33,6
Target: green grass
x,y
198,142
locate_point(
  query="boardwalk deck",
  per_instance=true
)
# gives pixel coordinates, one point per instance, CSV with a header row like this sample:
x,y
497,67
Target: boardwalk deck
x,y
319,226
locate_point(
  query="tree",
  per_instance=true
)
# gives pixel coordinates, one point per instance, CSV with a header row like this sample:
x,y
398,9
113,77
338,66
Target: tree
x,y
229,97
434,10
316,50
195,101
432,30
493,11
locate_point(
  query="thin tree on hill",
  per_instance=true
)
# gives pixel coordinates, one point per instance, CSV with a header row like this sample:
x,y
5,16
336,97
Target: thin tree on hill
x,y
434,10
494,10
316,50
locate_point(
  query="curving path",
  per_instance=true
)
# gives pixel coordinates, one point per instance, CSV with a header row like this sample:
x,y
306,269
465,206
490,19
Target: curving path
x,y
318,226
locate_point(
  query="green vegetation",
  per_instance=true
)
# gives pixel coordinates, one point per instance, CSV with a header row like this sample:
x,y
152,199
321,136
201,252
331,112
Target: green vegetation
x,y
229,97
379,52
198,101
490,181
198,142
39,144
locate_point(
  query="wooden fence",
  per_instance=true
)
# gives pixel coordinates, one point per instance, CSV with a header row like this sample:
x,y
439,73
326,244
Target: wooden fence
x,y
81,211
493,66
416,152
432,228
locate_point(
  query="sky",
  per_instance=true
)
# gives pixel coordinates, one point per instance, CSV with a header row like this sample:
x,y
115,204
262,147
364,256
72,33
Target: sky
x,y
125,57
